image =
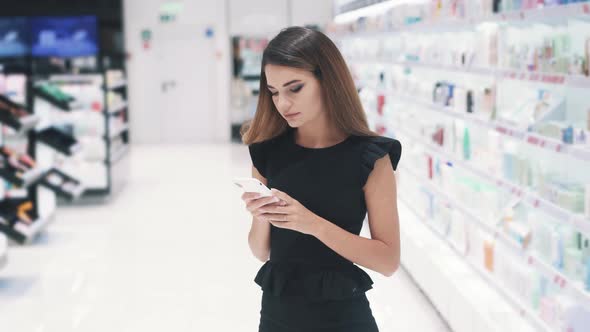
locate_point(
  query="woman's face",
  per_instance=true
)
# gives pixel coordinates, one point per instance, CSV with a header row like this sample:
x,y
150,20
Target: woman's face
x,y
296,94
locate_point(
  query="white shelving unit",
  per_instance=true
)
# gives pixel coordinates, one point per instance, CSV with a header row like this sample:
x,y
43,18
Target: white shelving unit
x,y
537,140
418,231
519,310
527,258
574,81
546,14
118,108
575,220
30,232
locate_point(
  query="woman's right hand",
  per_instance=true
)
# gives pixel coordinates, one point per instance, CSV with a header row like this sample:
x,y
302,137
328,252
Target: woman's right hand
x,y
254,202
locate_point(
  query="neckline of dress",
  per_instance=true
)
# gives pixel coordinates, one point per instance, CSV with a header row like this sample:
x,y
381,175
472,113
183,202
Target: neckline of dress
x,y
292,139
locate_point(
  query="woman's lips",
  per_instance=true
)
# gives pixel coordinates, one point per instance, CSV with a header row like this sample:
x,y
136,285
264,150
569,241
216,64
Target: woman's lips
x,y
291,115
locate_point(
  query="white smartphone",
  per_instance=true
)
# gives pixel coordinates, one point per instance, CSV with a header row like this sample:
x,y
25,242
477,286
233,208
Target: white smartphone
x,y
253,185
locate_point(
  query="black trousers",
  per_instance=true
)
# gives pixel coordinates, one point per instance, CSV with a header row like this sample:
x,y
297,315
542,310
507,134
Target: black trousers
x,y
296,314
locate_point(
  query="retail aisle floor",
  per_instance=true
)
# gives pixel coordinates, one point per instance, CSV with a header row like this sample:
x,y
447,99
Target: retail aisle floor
x,y
168,254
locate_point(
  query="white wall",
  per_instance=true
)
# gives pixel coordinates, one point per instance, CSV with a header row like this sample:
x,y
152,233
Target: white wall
x,y
311,12
144,71
268,17
257,17
229,17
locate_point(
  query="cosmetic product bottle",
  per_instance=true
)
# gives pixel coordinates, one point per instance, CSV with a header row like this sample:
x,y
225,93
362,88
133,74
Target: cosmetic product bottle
x,y
466,145
573,263
568,135
489,255
588,274
487,102
587,56
469,102
519,232
381,93
556,249
438,136
496,6
450,92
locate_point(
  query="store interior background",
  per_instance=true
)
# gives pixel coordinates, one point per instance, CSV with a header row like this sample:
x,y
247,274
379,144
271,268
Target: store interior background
x,y
154,235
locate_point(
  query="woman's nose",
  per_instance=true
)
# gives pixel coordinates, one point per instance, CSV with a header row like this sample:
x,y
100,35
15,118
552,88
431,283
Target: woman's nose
x,y
283,104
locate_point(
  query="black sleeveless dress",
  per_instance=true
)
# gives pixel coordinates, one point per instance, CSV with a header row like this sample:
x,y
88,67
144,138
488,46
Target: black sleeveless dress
x,y
306,285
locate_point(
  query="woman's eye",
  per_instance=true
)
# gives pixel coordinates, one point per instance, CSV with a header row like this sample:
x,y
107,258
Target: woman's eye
x,y
297,89
274,93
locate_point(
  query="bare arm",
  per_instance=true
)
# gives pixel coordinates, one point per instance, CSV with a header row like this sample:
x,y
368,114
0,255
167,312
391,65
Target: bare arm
x,y
259,235
381,253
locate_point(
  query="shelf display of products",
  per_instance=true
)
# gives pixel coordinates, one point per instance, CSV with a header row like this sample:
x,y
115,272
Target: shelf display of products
x,y
245,83
55,96
490,98
19,220
20,170
436,15
59,140
99,120
117,138
15,116
63,185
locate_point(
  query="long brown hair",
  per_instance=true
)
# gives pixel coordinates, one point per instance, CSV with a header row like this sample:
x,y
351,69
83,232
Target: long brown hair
x,y
311,50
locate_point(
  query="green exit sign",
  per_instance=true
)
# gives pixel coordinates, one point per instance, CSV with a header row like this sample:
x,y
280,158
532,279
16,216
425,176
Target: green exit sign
x,y
170,10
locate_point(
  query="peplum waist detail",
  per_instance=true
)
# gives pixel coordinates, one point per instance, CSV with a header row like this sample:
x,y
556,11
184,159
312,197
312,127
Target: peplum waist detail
x,y
315,282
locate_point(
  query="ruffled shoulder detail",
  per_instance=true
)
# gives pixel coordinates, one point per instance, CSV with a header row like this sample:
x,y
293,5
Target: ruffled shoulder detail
x,y
261,152
259,155
376,148
314,282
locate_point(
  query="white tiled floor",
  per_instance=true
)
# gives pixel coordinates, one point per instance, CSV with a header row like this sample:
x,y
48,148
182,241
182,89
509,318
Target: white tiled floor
x,y
169,254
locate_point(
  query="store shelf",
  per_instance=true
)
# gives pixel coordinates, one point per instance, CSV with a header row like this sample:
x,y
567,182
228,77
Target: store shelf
x,y
59,141
15,116
546,143
574,81
66,103
118,130
118,108
21,124
29,232
577,221
23,233
63,185
522,309
26,179
117,85
546,14
551,273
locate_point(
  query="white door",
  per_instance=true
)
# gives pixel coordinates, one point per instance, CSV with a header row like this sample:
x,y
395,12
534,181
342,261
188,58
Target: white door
x,y
187,82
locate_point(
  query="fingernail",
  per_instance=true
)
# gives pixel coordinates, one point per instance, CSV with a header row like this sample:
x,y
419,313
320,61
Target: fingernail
x,y
276,199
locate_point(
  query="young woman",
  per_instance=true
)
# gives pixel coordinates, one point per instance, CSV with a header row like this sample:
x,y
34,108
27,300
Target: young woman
x,y
310,142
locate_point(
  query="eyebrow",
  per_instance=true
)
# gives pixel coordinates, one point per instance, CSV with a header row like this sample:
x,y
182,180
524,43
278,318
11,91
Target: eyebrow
x,y
290,82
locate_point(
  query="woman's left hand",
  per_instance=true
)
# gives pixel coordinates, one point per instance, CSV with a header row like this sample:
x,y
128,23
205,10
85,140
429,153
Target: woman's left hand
x,y
290,214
